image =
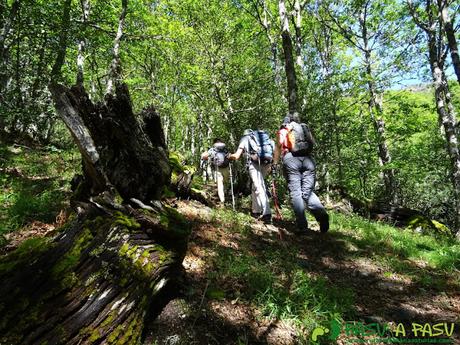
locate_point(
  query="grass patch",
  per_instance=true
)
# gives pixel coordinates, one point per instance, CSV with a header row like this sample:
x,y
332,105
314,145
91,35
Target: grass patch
x,y
34,184
385,241
232,221
270,277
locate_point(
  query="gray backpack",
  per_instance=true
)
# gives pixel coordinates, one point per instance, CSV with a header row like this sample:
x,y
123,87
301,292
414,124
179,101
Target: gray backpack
x,y
300,139
220,155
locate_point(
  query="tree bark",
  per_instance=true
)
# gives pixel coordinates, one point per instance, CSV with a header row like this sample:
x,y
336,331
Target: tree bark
x,y
298,32
444,106
40,68
448,120
376,114
288,59
62,48
450,33
266,24
115,68
104,271
5,32
85,8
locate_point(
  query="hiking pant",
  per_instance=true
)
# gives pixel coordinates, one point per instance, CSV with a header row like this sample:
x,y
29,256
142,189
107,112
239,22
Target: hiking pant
x,y
221,176
300,174
260,201
208,173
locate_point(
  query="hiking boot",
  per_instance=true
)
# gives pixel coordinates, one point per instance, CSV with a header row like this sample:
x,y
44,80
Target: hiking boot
x,y
256,215
267,218
324,224
305,232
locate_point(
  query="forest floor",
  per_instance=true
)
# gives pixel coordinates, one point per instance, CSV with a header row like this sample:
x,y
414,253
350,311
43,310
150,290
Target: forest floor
x,y
246,282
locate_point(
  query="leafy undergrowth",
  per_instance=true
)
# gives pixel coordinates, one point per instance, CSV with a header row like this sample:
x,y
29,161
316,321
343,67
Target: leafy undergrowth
x,y
246,285
34,189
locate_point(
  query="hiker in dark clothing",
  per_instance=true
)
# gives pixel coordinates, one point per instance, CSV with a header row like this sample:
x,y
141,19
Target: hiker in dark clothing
x,y
294,146
217,156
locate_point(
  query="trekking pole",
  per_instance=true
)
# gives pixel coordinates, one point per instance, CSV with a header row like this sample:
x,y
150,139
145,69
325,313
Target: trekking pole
x,y
275,198
231,185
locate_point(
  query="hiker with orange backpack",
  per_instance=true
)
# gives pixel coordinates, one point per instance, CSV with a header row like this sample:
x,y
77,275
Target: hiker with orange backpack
x,y
294,147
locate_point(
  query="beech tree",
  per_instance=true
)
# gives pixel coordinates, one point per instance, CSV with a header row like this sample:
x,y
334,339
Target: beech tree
x,y
431,21
370,27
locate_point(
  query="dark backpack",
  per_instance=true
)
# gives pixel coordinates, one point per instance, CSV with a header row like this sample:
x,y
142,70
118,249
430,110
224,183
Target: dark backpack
x,y
300,139
261,147
219,155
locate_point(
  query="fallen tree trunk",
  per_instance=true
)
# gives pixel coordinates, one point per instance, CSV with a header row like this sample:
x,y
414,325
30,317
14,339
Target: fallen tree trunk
x,y
96,281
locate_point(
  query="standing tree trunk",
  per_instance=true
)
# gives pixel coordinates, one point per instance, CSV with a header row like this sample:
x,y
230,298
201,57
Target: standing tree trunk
x,y
85,8
376,114
266,24
447,118
5,32
324,46
40,68
16,125
62,49
96,281
450,33
115,69
288,59
444,106
298,32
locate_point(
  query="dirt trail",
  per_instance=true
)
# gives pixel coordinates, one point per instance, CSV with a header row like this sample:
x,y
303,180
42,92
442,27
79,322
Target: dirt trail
x,y
195,318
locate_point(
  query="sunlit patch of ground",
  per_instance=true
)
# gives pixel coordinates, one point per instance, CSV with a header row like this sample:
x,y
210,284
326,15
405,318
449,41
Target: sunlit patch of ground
x,y
217,312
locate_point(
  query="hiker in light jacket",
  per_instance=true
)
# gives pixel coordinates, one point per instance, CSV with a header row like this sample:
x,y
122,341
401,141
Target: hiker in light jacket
x,y
259,164
217,156
294,146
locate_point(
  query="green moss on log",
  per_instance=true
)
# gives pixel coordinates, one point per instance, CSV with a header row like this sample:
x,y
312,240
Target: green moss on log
x,y
178,167
178,164
429,226
72,257
124,220
30,248
114,335
140,257
131,333
173,221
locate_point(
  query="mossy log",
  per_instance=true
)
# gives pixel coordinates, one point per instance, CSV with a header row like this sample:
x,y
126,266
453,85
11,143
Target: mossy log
x,y
182,175
96,281
183,180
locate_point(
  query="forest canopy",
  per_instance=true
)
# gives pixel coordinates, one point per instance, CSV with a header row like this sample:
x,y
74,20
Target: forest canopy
x,y
375,80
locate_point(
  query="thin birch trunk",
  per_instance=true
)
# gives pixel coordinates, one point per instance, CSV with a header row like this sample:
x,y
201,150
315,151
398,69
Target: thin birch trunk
x,y
376,114
266,24
115,69
444,106
448,120
85,8
40,67
450,33
298,33
5,33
